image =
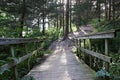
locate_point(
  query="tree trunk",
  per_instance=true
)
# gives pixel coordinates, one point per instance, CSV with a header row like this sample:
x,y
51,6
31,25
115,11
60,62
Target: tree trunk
x,y
106,10
110,10
113,12
57,22
61,14
99,10
67,21
63,20
71,17
43,30
22,19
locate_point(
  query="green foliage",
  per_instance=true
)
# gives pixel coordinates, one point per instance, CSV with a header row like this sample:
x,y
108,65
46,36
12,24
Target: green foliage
x,y
27,78
81,16
102,73
115,66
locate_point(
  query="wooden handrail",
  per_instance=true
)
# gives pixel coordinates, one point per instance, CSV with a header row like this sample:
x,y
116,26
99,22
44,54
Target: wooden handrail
x,y
98,55
6,66
99,35
4,41
10,42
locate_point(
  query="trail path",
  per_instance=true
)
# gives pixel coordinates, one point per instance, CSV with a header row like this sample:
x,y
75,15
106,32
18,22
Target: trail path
x,y
62,65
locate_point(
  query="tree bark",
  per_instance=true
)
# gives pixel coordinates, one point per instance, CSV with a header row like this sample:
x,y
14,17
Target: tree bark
x,y
99,10
110,10
71,17
63,19
67,21
22,19
43,30
113,12
106,10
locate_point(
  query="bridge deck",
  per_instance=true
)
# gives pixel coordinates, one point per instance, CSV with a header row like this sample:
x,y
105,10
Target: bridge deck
x,y
62,65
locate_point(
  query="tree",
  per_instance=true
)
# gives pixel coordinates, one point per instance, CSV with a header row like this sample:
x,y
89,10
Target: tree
x,y
67,21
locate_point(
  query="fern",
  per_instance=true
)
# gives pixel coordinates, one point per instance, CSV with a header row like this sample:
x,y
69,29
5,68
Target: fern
x,y
28,77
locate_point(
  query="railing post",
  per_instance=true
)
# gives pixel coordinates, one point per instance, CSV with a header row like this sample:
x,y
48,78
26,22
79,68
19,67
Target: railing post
x,y
84,48
106,53
76,43
90,57
79,48
15,68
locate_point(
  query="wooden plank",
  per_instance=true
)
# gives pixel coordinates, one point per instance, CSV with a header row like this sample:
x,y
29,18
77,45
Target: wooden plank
x,y
4,41
21,59
108,34
98,55
98,36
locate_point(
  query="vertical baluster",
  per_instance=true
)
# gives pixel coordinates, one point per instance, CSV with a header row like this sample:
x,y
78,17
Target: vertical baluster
x,y
84,45
106,53
79,48
76,43
90,57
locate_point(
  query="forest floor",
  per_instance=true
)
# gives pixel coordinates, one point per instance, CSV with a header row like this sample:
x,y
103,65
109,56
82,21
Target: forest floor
x,y
62,64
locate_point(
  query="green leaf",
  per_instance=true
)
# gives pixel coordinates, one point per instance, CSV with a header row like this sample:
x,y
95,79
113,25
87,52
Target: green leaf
x,y
14,59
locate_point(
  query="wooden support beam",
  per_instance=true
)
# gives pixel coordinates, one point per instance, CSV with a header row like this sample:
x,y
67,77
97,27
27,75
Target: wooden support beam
x,y
79,48
98,55
106,53
84,47
90,57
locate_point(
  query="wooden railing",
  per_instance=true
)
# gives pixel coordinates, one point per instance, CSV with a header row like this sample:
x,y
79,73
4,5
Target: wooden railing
x,y
18,41
93,55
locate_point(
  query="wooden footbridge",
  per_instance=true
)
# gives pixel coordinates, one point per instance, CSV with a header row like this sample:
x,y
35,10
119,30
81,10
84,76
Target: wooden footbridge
x,y
62,64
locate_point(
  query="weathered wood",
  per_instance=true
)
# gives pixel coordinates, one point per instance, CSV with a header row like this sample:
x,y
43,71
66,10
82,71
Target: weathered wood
x,y
98,55
21,59
84,46
108,34
79,48
62,64
90,57
106,53
4,41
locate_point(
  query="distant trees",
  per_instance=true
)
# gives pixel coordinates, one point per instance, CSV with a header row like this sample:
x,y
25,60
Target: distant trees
x,y
18,16
21,14
85,10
